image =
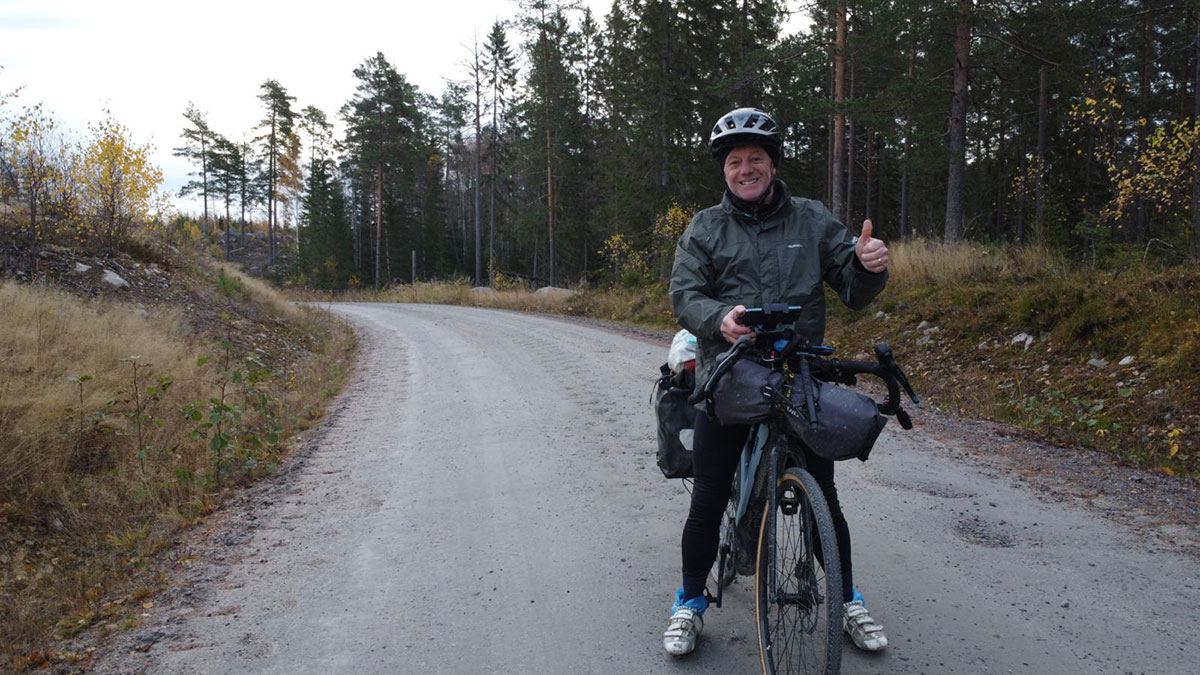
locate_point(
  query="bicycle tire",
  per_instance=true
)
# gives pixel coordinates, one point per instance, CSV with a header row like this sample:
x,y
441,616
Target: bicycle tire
x,y
800,631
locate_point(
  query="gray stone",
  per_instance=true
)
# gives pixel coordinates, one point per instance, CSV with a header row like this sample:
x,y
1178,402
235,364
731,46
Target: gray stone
x,y
923,325
925,340
881,315
554,292
1023,339
1098,363
1125,361
80,268
932,329
112,278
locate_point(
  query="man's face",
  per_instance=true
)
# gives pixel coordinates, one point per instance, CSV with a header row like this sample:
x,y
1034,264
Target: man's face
x,y
749,171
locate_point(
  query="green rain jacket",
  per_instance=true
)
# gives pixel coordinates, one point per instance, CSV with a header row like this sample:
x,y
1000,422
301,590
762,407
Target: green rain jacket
x,y
727,257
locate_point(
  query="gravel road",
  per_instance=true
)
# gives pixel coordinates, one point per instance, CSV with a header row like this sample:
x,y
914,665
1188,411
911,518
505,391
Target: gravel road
x,y
484,499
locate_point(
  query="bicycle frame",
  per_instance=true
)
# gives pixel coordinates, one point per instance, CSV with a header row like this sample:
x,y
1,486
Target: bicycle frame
x,y
748,467
746,476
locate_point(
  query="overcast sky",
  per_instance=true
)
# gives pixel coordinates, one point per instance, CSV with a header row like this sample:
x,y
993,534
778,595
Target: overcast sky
x,y
145,60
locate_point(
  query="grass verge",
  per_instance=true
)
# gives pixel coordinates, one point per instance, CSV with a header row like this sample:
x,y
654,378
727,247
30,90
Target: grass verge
x,y
124,424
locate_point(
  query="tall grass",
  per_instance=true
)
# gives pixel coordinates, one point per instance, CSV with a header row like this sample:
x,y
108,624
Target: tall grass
x,y
52,336
97,473
260,293
924,262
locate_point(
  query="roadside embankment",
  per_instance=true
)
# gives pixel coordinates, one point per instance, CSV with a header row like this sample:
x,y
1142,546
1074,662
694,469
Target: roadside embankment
x,y
134,394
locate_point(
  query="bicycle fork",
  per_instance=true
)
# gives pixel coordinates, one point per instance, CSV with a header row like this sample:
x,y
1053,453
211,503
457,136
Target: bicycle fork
x,y
788,504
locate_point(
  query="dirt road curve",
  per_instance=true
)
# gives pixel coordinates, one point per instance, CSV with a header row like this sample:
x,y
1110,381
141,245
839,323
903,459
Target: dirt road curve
x,y
484,500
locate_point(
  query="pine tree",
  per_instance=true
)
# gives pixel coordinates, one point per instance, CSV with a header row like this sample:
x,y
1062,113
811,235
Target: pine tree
x,y
385,133
276,135
500,64
226,164
197,148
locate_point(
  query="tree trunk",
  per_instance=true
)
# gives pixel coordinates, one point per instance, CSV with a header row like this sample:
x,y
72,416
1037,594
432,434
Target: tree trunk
x,y
378,220
839,115
1196,150
204,173
1024,169
870,167
492,186
478,176
244,177
664,143
551,266
271,195
1039,175
958,127
1147,58
1001,182
908,127
851,154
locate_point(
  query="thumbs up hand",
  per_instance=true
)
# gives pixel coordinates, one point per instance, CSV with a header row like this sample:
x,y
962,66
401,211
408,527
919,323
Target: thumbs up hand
x,y
871,252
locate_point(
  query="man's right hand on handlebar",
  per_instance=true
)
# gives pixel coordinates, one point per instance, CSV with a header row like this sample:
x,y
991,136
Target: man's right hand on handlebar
x,y
731,326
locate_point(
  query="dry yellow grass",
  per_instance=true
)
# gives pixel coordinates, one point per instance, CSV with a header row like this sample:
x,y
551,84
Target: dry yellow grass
x,y
52,336
81,509
258,292
920,262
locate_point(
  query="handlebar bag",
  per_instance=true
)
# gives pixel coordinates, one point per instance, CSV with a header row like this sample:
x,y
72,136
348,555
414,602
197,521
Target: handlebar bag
x,y
746,394
676,419
848,423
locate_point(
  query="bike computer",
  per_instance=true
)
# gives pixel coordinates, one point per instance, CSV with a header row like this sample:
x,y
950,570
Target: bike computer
x,y
771,315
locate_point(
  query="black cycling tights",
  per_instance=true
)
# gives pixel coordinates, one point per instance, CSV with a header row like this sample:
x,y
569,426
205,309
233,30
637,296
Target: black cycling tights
x,y
716,450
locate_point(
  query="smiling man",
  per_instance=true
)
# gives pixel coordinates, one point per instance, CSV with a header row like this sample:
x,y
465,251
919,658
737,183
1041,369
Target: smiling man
x,y
760,245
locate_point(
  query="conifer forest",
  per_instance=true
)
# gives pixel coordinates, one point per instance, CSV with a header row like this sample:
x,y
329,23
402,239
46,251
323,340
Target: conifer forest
x,y
571,148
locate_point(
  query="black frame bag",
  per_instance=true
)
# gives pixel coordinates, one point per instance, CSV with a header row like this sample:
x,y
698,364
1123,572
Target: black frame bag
x,y
675,415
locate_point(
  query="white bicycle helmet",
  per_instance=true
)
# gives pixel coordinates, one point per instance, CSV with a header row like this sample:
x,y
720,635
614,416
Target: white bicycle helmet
x,y
745,126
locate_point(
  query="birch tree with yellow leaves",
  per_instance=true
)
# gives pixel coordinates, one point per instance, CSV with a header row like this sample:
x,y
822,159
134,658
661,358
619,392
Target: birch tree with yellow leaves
x,y
119,187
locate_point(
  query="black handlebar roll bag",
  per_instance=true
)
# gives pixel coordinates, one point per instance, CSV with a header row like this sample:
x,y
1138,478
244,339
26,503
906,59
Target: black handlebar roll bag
x,y
676,419
848,423
746,394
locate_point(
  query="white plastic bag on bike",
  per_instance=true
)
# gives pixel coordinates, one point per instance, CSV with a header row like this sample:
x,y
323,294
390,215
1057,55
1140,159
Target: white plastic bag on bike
x,y
682,351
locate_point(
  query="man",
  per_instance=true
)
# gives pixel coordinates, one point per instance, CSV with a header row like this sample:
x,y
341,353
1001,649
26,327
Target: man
x,y
759,245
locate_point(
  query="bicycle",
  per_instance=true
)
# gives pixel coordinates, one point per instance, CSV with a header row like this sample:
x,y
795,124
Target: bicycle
x,y
798,587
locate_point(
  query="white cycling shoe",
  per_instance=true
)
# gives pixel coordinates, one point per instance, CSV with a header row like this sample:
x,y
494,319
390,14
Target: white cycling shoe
x,y
865,631
687,620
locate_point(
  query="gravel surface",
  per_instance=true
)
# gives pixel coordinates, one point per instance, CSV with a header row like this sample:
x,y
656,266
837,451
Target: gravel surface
x,y
484,499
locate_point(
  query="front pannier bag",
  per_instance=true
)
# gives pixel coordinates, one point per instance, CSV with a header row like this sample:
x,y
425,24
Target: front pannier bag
x,y
847,422
676,419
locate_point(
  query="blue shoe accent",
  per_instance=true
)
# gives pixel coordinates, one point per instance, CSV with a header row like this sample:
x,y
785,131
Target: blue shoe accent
x,y
857,597
698,603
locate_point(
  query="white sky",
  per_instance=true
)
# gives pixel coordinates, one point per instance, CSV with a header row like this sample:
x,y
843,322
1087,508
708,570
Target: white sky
x,y
145,60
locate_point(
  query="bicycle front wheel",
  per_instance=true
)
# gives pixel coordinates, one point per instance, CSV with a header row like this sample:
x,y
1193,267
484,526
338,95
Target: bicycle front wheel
x,y
798,581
